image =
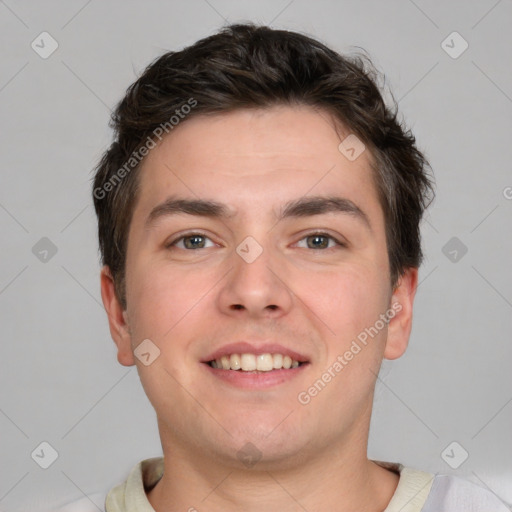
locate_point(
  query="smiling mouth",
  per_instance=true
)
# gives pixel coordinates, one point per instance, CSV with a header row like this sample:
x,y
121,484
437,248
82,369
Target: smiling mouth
x,y
255,363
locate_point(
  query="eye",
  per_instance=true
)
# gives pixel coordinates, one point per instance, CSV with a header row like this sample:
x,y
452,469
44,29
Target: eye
x,y
321,241
191,241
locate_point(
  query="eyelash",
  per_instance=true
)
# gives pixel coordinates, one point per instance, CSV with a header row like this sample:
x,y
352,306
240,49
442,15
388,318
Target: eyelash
x,y
315,233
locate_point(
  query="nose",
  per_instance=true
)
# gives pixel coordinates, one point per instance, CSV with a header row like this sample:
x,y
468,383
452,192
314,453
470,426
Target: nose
x,y
256,286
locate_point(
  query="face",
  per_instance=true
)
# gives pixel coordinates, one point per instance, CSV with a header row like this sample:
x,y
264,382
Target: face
x,y
291,260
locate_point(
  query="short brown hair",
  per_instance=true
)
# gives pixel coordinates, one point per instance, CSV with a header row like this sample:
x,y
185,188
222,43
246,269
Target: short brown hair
x,y
249,66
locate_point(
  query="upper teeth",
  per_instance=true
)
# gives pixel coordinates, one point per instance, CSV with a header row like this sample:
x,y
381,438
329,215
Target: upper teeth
x,y
250,362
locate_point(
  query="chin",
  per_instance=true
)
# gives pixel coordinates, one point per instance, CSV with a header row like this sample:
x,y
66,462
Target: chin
x,y
265,447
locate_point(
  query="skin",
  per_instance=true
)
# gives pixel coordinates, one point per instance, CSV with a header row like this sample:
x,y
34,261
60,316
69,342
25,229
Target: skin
x,y
189,302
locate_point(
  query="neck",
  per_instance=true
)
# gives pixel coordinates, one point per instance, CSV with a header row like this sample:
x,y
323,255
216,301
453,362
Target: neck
x,y
339,478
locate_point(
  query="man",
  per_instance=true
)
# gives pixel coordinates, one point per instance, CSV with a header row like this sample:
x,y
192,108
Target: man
x,y
258,218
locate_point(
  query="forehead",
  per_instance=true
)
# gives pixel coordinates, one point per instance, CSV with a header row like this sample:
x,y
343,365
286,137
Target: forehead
x,y
256,160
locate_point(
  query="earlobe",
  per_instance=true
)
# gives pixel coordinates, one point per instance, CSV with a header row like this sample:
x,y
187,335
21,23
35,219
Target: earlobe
x,y
400,325
117,319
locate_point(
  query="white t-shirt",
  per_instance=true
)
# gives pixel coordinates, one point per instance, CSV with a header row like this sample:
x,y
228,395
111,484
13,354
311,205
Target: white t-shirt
x,y
417,491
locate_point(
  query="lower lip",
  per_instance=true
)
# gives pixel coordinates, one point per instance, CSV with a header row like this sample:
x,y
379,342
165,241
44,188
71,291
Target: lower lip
x,y
260,380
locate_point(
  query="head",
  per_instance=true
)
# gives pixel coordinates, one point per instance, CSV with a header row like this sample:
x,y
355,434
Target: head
x,y
256,119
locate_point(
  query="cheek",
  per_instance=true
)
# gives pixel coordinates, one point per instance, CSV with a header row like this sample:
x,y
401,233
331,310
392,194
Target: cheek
x,y
163,298
348,299
151,296
347,302
166,308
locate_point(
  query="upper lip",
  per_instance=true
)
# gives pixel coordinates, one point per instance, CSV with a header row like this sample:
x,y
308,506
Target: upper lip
x,y
244,347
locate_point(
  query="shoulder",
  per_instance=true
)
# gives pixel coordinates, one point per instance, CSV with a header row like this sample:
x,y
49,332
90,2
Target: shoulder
x,y
420,491
132,491
454,494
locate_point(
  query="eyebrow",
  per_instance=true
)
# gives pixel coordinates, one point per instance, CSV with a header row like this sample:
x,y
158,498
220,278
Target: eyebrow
x,y
302,207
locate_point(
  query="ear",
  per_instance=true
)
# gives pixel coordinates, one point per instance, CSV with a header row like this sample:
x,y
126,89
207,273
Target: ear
x,y
119,329
399,328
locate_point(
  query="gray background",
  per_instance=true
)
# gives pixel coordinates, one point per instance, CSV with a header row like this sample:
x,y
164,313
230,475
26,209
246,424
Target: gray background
x,y
59,378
